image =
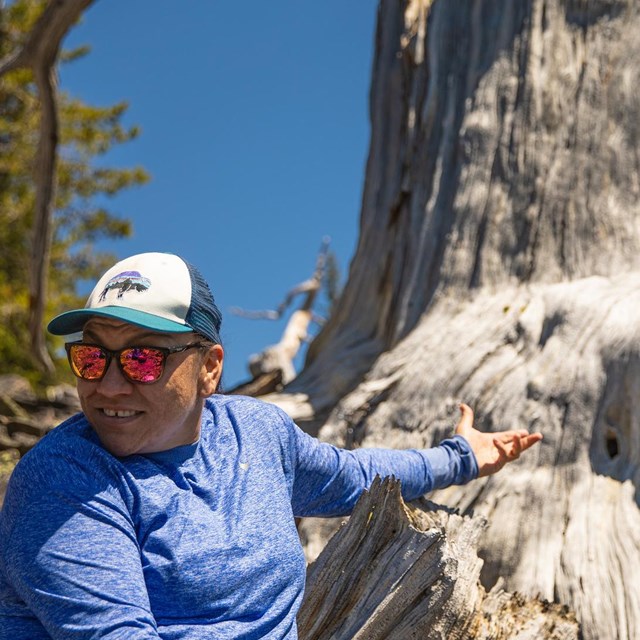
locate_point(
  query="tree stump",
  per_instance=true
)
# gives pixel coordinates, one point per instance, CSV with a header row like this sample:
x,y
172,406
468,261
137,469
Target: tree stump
x,y
394,572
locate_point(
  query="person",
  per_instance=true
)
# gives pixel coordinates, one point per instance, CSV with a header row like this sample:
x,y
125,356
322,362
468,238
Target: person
x,y
165,509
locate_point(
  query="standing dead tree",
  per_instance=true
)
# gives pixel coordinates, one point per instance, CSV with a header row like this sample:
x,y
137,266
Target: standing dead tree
x,y
499,264
39,53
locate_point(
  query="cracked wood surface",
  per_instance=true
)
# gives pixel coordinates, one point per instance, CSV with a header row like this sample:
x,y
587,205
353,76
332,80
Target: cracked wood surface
x,y
563,522
499,265
396,572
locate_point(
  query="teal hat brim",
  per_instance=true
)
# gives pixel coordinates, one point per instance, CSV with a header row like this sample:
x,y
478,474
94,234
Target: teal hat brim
x,y
74,321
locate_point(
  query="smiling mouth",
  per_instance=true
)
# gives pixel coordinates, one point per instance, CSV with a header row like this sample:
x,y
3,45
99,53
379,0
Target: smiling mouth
x,y
119,414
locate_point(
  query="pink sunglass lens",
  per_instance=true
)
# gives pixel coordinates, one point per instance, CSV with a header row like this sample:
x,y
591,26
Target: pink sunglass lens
x,y
88,362
142,364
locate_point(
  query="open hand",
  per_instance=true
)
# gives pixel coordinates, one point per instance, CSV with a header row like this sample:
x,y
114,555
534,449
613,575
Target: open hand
x,y
494,450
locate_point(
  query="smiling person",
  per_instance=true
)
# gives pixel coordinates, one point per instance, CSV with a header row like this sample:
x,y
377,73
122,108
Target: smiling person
x,y
166,509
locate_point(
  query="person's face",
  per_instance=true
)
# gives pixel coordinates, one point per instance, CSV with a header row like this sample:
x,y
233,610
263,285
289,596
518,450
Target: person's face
x,y
134,418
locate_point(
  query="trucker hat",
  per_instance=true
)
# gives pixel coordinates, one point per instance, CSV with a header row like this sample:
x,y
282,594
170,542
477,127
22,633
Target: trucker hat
x,y
158,291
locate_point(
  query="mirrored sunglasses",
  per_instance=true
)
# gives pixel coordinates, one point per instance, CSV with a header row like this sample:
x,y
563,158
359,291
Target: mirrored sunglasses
x,y
142,365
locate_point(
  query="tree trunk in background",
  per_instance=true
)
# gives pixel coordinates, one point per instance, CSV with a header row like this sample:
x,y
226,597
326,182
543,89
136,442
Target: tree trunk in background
x,y
498,264
39,53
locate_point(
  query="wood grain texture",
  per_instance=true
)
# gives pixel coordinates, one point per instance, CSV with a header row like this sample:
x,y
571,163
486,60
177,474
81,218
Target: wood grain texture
x,y
395,573
563,522
498,265
503,150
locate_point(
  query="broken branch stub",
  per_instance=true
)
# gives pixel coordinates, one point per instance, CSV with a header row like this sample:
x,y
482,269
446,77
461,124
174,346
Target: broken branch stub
x,y
394,572
279,357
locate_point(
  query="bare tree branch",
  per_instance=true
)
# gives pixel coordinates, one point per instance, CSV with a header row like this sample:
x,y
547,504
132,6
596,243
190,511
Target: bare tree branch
x,y
43,41
279,357
310,287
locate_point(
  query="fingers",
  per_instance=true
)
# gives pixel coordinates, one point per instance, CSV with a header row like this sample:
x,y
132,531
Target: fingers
x,y
508,445
508,450
526,439
516,447
466,419
511,444
529,439
521,434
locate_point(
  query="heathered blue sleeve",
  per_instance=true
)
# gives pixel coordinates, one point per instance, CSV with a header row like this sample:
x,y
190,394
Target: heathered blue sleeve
x,y
69,551
329,480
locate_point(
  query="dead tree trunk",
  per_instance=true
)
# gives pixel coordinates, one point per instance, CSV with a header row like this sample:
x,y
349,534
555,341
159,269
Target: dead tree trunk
x,y
498,264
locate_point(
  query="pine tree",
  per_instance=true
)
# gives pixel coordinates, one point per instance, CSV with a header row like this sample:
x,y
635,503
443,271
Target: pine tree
x,y
85,133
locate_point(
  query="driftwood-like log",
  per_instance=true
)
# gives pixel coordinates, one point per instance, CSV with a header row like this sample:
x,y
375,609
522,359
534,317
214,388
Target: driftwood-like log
x,y
394,572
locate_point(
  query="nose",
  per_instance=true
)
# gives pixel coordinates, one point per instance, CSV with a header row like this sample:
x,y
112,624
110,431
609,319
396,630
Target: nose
x,y
113,383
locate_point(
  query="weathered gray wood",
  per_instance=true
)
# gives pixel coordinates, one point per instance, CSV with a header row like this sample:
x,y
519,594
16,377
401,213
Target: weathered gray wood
x,y
564,521
498,264
503,149
392,573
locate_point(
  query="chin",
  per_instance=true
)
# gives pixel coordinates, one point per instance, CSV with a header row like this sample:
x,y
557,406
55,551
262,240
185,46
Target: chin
x,y
118,449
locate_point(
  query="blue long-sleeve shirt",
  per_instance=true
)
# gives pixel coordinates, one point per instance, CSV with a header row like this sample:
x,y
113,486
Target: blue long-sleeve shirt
x,y
195,542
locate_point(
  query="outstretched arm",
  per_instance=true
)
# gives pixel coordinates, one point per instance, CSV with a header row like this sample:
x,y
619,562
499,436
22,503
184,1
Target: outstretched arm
x,y
328,481
494,450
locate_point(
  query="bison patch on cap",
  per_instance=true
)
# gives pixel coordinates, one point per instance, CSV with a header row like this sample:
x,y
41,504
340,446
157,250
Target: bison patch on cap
x,y
125,281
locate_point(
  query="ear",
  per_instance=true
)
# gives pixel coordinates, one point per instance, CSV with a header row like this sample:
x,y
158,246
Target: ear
x,y
211,370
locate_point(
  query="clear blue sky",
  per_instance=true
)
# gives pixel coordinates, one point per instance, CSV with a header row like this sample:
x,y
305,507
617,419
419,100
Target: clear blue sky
x,y
255,128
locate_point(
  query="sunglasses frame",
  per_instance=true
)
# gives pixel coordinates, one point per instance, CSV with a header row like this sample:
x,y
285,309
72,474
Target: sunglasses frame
x,y
117,355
